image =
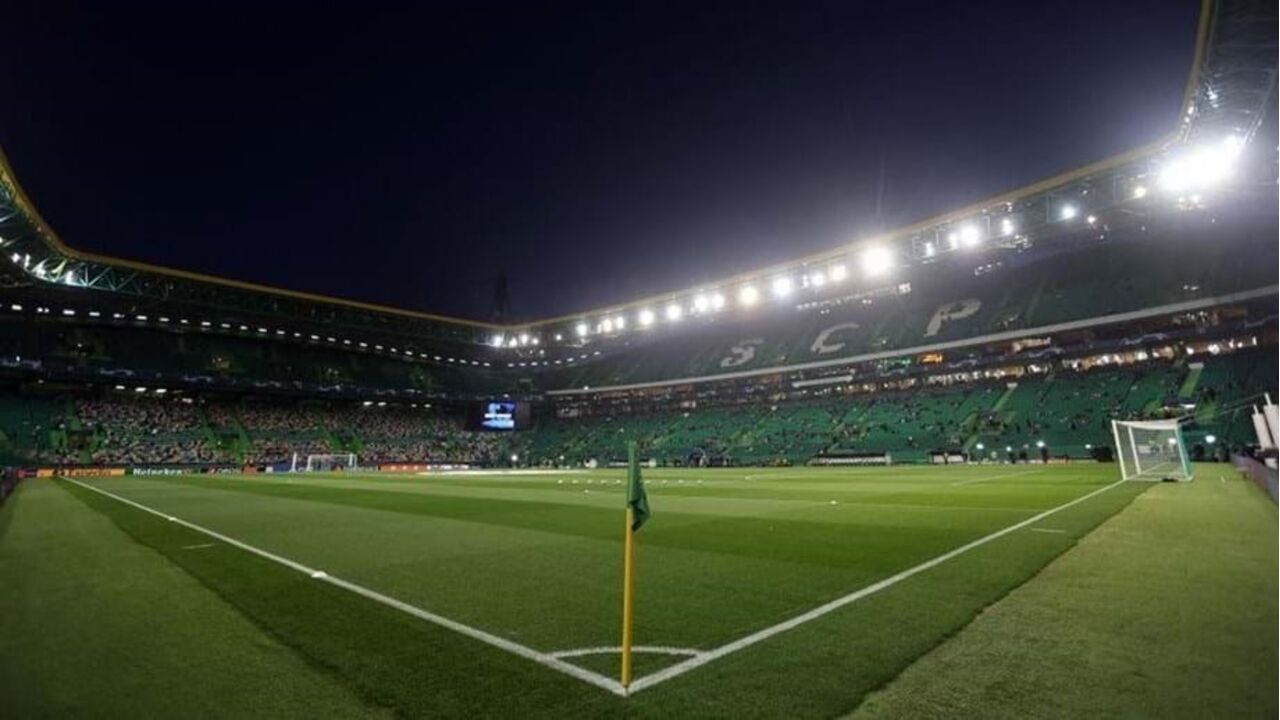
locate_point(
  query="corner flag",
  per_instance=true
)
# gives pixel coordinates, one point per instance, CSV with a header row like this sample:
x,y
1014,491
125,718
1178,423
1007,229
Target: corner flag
x,y
636,499
637,514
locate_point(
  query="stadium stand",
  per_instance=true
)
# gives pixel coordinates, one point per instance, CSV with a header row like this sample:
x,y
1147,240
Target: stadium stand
x,y
1067,410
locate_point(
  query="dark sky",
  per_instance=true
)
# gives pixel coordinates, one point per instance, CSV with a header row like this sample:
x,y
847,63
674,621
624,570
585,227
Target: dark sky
x,y
402,153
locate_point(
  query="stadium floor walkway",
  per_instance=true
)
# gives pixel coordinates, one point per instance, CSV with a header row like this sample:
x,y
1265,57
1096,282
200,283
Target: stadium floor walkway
x,y
92,624
1169,609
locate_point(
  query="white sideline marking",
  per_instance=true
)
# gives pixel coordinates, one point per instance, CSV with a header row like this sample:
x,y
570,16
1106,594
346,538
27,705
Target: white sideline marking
x,y
996,477
529,653
602,650
681,668
1047,530
201,546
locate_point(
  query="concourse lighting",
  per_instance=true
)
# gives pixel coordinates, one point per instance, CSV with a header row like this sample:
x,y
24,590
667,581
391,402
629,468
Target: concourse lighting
x,y
1211,439
581,329
748,295
1068,212
876,261
524,338
782,286
838,272
496,341
1039,443
620,322
1173,441
1006,227
513,342
701,304
980,446
606,325
717,301
1091,219
818,279
645,317
929,249
1201,167
1139,192
673,312
969,235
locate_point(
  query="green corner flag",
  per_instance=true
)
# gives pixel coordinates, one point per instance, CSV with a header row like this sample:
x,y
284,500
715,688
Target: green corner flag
x,y
636,499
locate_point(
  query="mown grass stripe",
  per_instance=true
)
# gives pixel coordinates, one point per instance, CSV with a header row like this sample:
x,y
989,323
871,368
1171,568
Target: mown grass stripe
x,y
475,633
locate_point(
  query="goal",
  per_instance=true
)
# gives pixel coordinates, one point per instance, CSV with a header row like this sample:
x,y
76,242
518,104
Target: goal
x,y
1151,450
329,463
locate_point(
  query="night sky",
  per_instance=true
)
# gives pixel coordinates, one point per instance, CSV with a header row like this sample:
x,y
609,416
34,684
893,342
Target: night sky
x,y
403,153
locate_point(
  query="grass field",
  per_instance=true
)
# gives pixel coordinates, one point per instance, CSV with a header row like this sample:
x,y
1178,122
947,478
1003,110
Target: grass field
x,y
795,592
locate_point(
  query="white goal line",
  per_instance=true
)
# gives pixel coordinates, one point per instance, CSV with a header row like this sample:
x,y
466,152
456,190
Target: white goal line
x,y
553,660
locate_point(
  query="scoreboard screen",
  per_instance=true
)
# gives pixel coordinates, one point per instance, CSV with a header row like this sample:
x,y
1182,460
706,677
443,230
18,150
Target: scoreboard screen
x,y
498,416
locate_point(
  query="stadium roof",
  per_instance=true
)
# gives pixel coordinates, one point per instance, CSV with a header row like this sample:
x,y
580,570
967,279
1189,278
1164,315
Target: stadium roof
x,y
1231,80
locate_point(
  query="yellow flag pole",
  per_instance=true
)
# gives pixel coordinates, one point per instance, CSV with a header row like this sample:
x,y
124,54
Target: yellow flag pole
x,y
627,566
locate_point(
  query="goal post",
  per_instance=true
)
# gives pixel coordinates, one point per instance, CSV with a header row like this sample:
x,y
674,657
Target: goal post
x,y
1151,450
330,463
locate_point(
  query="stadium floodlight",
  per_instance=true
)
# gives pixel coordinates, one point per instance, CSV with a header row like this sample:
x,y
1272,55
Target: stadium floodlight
x,y
1210,439
876,261
1092,219
1068,212
969,235
748,295
1139,192
559,337
581,329
782,286
674,312
1006,227
1201,167
701,303
838,272
645,317
717,301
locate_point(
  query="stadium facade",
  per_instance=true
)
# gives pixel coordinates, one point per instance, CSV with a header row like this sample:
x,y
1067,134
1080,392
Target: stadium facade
x,y
1143,285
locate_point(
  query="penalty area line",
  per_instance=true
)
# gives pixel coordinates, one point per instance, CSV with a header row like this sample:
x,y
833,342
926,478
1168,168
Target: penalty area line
x,y
995,477
705,657
545,659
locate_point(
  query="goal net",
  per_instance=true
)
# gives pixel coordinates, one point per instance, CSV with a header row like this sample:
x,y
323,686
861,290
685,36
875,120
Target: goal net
x,y
329,463
1151,450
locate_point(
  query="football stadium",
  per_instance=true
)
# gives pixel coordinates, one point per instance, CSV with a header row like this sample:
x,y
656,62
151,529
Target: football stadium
x,y
1014,460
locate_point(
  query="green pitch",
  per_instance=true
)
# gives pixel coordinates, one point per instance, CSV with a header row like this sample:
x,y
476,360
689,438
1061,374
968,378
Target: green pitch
x,y
789,592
